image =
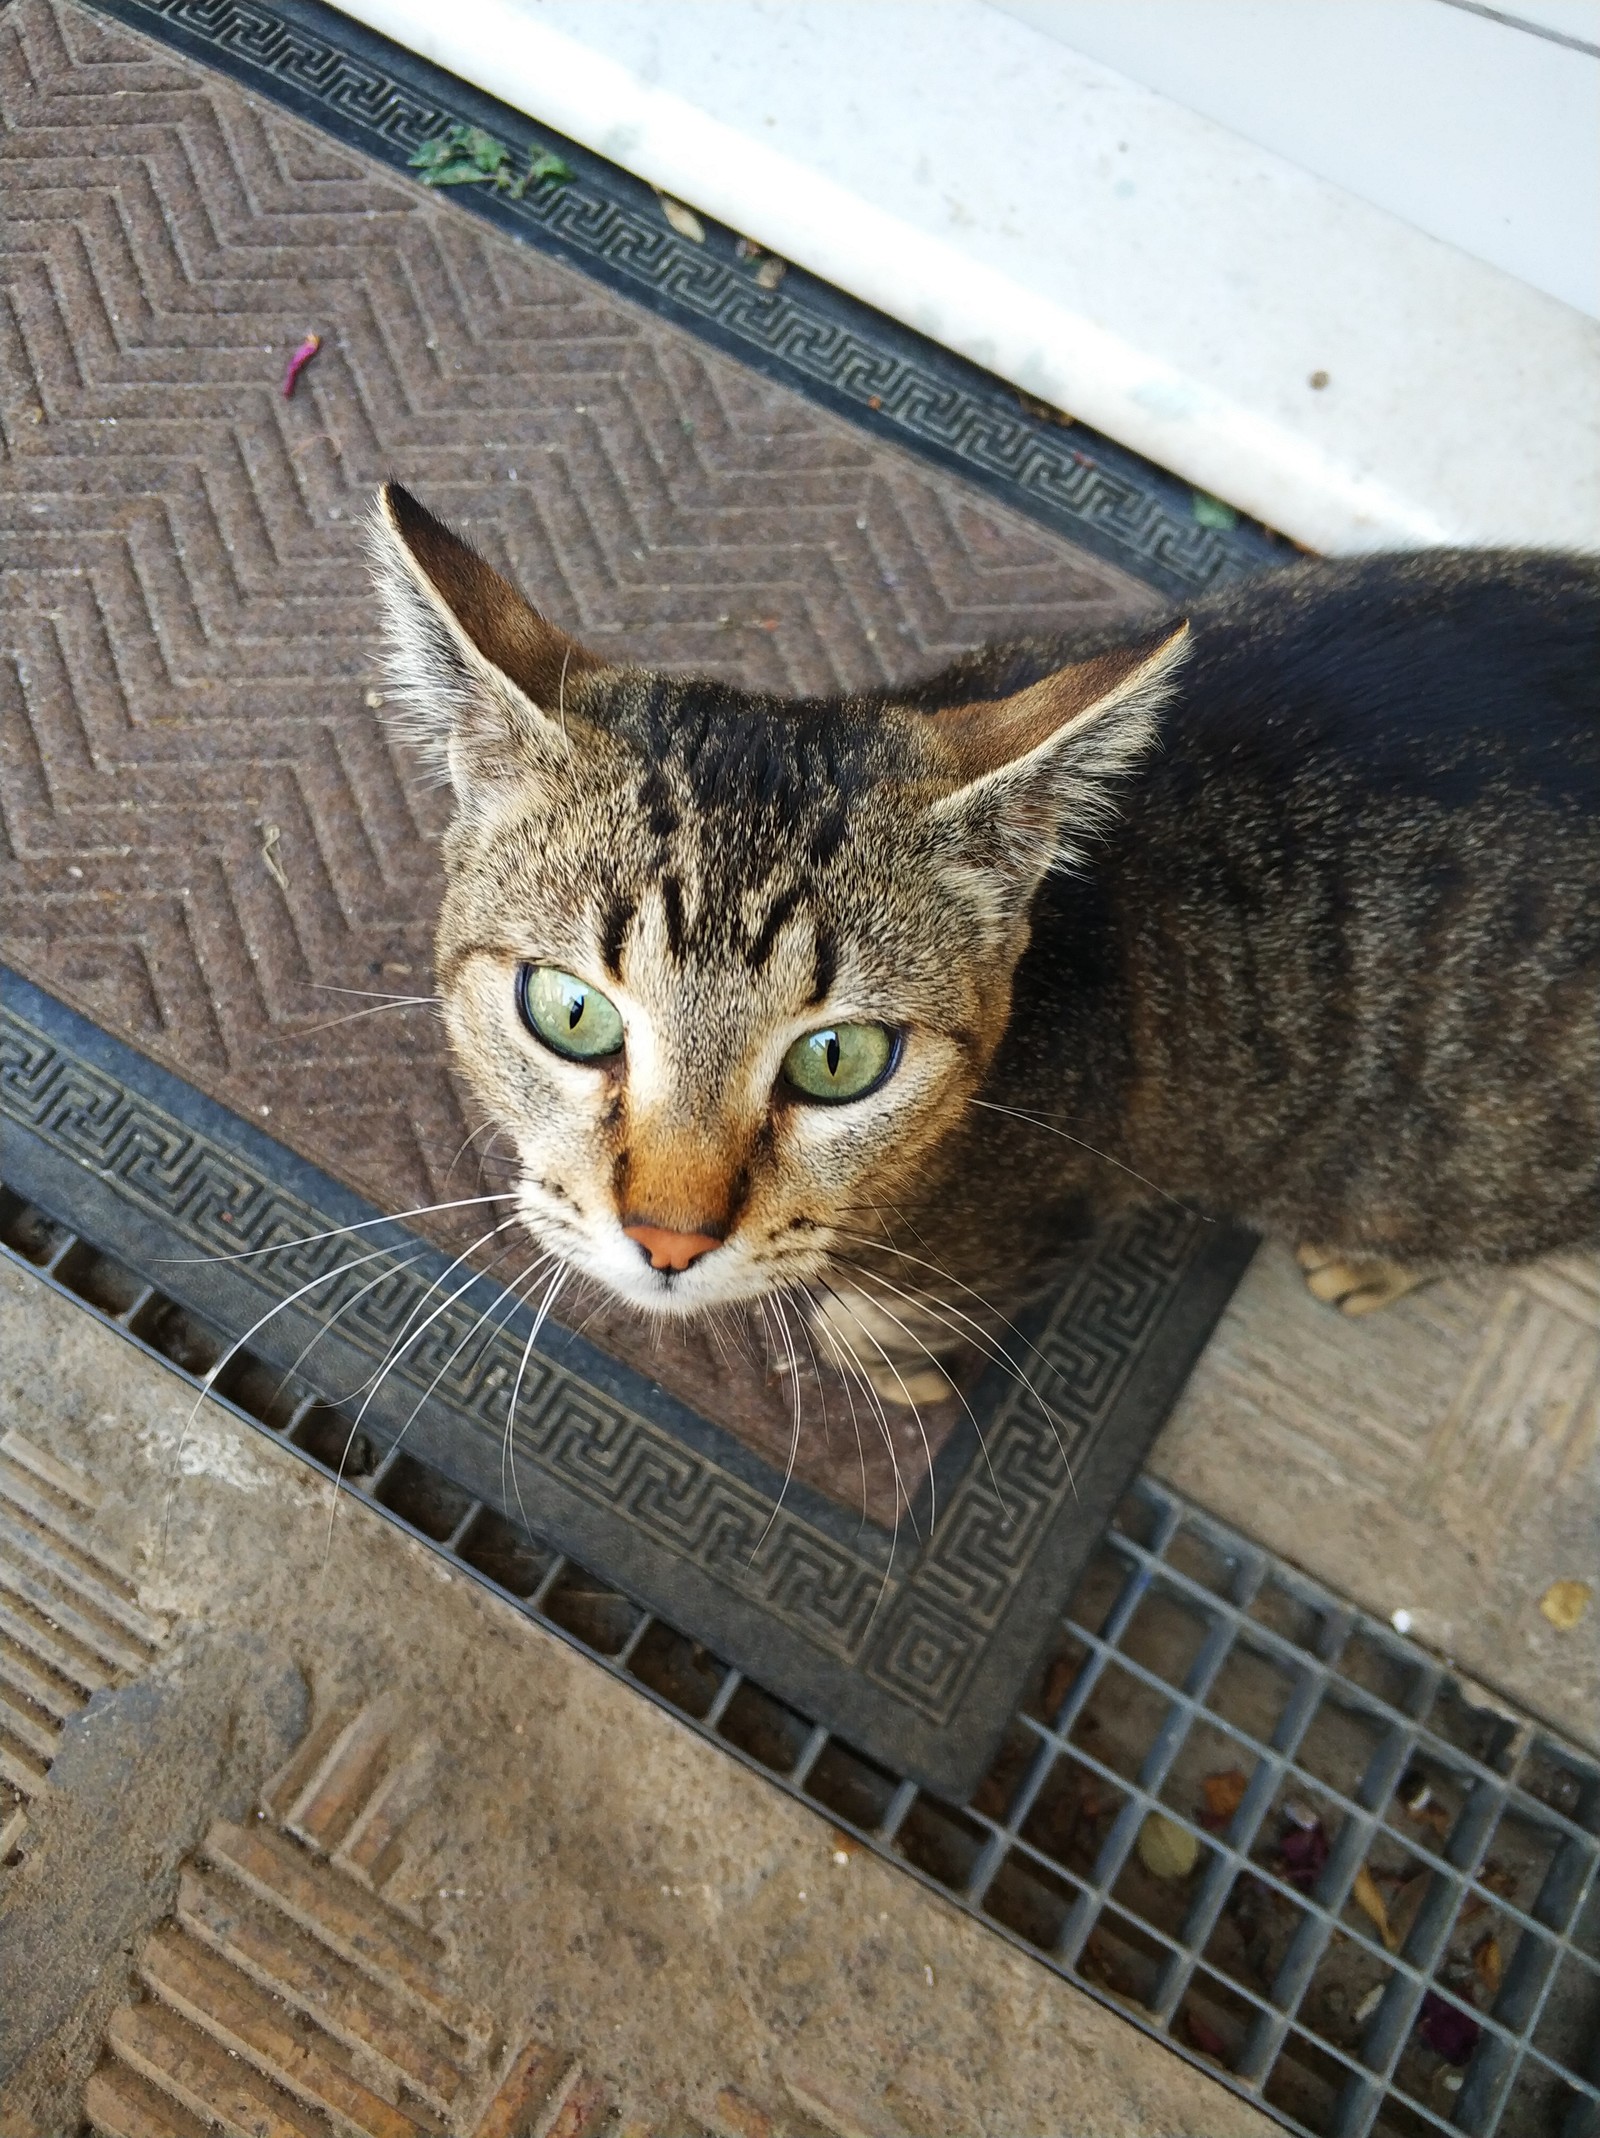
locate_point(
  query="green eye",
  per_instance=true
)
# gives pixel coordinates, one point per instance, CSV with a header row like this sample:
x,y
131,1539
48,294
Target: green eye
x,y
842,1061
571,1017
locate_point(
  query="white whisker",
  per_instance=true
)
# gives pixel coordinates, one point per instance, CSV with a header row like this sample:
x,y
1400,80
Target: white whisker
x,y
870,1390
911,1405
782,1319
373,994
846,1351
334,1319
507,1456
338,1232
1039,1121
409,1335
373,1009
209,1380
941,1309
929,1308
850,1399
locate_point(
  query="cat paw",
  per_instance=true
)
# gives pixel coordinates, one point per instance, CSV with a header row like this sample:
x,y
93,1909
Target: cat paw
x,y
1355,1284
864,1340
911,1386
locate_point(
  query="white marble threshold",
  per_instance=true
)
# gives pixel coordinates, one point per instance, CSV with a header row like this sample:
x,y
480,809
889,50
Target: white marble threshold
x,y
1267,336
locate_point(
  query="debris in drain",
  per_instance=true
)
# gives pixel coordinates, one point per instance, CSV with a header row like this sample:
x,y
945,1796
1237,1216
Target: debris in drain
x,y
1303,1849
1487,1964
1368,2005
684,220
1416,1795
1414,1791
1248,1908
1059,1681
1565,1602
1494,1878
1098,1966
1447,2029
1166,1849
1223,1794
298,362
1407,1900
1205,2038
1369,1900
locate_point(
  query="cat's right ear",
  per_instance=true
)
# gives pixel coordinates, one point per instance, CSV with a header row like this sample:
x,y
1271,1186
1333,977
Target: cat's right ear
x,y
482,676
1035,777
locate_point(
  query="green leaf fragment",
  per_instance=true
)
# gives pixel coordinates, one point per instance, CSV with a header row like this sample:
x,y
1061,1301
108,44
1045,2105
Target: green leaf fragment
x,y
1210,511
467,156
543,165
432,154
486,152
464,156
454,174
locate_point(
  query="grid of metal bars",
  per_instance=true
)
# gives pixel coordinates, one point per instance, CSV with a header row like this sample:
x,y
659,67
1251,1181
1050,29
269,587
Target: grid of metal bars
x,y
1266,1827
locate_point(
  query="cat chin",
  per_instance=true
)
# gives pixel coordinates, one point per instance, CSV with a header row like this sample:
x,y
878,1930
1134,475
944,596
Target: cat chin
x,y
679,1299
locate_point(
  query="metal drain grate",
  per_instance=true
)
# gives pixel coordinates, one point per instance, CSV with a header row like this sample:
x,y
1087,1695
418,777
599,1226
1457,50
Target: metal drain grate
x,y
1321,1779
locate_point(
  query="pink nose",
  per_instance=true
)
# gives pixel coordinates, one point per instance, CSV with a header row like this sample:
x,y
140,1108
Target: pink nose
x,y
667,1249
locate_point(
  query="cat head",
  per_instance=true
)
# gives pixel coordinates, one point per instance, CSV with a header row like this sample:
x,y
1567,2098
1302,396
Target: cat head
x,y
726,968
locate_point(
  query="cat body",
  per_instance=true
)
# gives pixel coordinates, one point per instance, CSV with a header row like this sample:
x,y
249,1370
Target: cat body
x,y
1335,968
1288,908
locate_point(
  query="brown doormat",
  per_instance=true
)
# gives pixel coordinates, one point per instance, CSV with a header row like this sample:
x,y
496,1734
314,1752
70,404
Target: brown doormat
x,y
211,841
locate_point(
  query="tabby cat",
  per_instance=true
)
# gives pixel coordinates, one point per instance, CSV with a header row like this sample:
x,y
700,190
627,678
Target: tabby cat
x,y
1288,908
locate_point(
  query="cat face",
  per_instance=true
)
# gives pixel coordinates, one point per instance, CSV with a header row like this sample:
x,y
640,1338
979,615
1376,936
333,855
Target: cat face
x,y
726,970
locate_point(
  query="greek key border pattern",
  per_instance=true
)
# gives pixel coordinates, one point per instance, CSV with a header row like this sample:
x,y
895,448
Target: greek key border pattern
x,y
815,339
919,1636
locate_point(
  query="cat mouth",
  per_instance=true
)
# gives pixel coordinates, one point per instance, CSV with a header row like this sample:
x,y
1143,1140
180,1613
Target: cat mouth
x,y
658,1271
726,1274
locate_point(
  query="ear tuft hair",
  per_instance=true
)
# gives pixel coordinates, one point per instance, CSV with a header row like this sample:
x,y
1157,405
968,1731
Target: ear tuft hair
x,y
481,675
1036,776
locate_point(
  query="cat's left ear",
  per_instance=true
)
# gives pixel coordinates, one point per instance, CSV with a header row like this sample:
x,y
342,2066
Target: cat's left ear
x,y
1036,775
483,676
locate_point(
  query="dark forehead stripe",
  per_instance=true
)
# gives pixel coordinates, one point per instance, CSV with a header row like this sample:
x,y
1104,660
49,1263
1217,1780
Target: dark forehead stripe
x,y
827,965
655,799
614,926
828,837
783,910
672,900
735,750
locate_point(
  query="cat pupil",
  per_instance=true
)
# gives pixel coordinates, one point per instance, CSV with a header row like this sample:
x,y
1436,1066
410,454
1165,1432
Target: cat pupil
x,y
579,1004
833,1054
